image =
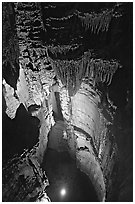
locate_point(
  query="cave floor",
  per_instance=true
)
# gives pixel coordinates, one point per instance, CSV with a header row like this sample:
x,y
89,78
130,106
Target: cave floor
x,y
64,176
67,182
63,173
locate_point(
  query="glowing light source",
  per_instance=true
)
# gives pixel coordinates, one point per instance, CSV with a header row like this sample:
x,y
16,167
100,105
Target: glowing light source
x,y
63,192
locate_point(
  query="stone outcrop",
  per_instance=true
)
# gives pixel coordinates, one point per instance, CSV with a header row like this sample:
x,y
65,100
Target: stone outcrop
x,y
12,102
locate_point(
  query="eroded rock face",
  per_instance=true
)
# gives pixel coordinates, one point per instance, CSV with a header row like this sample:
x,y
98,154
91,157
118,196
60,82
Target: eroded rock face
x,y
88,135
23,179
32,90
85,125
27,98
12,103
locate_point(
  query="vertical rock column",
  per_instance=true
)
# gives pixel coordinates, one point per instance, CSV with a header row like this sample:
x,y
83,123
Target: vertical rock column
x,y
96,149
23,179
86,122
89,135
34,63
67,115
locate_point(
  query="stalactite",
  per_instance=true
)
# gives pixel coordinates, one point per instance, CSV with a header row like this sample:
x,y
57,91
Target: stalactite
x,y
63,49
111,75
107,77
71,72
97,21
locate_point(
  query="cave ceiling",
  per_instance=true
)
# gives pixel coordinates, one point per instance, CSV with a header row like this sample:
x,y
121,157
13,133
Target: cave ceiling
x,y
70,29
63,27
67,75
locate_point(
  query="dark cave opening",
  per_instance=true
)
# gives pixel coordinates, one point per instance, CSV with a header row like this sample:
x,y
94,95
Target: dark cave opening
x,y
18,134
57,113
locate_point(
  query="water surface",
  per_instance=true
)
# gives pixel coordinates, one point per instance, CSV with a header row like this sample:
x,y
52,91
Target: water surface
x,y
67,182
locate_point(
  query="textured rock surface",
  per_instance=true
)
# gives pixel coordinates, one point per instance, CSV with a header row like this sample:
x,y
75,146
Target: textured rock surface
x,y
12,103
44,113
23,179
56,137
32,88
86,121
88,135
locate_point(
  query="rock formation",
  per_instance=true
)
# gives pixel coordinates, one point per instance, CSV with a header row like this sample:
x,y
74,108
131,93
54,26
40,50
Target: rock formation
x,y
63,89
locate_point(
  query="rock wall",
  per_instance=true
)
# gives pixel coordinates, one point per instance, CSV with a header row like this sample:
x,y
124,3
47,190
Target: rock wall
x,y
10,45
90,140
32,89
30,93
67,117
23,180
87,127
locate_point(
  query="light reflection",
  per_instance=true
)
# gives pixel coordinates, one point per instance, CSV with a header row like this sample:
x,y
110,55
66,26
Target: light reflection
x,y
63,192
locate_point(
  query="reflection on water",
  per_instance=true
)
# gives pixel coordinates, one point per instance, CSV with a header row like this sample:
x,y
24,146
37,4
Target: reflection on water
x,y
67,183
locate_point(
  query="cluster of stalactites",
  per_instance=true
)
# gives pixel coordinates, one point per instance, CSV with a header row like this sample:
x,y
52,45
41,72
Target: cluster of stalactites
x,y
72,72
97,22
102,70
62,49
69,73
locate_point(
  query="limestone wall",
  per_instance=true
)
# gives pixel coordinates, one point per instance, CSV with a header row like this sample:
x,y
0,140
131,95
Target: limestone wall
x,y
89,137
23,179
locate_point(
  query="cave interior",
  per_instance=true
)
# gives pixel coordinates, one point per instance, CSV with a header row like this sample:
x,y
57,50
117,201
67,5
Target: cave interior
x,y
67,101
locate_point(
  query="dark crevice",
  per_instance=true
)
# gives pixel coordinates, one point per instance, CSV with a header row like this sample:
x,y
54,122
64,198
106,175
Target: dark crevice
x,y
18,134
87,137
83,148
10,73
57,113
